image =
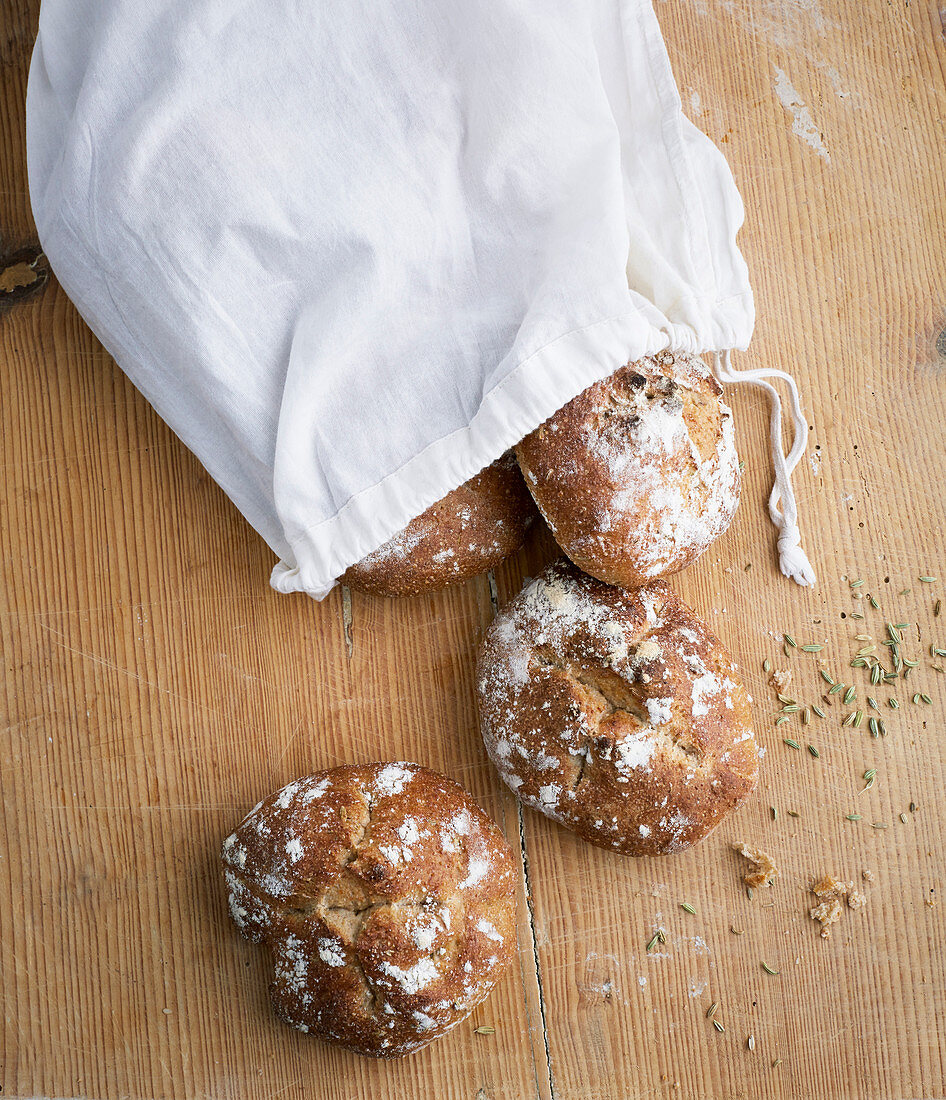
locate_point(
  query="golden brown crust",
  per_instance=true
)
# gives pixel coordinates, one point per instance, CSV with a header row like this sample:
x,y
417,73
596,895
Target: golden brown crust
x,y
468,532
615,712
639,473
386,897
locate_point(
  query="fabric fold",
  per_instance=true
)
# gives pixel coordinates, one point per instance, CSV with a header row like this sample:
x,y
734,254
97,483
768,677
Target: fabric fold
x,y
353,257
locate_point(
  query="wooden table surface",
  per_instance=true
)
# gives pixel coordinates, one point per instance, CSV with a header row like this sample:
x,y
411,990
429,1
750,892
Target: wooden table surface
x,y
154,687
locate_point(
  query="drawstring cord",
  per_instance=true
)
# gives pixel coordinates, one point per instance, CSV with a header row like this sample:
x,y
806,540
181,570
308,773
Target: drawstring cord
x,y
792,560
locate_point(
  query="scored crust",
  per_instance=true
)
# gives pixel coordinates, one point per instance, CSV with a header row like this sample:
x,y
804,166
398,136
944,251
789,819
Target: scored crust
x,y
386,897
639,473
615,712
471,530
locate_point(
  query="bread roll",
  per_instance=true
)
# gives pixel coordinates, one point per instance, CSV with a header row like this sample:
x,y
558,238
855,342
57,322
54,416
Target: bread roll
x,y
468,532
386,897
615,712
639,473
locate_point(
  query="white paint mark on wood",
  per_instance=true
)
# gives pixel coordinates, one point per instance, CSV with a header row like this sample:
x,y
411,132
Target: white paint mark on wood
x,y
803,125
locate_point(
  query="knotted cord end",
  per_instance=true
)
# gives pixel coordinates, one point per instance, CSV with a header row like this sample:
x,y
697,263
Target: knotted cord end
x,y
792,560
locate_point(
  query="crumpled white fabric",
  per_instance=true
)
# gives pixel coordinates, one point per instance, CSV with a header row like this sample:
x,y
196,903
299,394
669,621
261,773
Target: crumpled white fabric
x,y
352,252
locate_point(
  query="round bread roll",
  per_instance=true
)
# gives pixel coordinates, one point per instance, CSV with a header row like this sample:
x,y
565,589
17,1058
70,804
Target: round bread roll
x,y
615,712
387,899
639,473
466,533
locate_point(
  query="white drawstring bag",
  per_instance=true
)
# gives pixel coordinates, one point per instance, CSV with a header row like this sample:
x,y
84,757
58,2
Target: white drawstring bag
x,y
352,252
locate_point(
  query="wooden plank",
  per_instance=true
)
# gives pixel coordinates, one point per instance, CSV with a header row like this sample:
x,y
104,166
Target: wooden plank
x,y
847,250
154,687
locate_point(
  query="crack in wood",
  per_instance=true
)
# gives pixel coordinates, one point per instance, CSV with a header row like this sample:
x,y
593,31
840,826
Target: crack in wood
x,y
347,620
535,950
493,591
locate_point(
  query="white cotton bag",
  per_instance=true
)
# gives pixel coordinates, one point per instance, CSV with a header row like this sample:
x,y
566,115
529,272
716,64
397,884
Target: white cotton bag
x,y
353,252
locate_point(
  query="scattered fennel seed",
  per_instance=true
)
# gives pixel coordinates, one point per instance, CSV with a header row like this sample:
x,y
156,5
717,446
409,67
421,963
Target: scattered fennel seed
x,y
912,807
785,699
849,719
790,742
484,1029
869,776
712,1010
872,703
853,817
793,813
766,665
687,908
903,818
818,711
812,648
776,1063
769,969
774,813
927,580
789,640
879,825
718,1025
857,616
814,752
856,584
826,677
750,1042
873,602
926,699
782,718
849,695
835,689
652,942
937,607
874,728
858,718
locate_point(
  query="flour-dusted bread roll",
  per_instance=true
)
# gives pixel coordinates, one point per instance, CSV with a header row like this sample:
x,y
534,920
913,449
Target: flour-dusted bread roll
x,y
615,712
387,899
639,473
468,532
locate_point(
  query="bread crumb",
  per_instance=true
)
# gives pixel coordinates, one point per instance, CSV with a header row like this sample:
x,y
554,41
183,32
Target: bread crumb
x,y
867,876
832,895
780,679
764,873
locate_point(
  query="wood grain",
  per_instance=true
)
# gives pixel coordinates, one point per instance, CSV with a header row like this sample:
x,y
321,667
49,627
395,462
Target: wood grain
x,y
154,687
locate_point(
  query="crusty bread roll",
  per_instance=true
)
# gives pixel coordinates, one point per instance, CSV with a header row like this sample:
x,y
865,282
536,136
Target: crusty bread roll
x,y
639,473
466,533
386,897
615,712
